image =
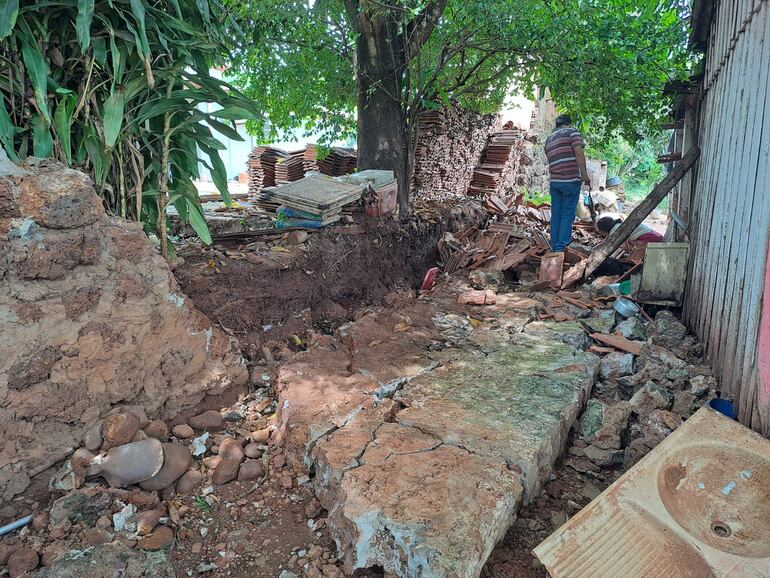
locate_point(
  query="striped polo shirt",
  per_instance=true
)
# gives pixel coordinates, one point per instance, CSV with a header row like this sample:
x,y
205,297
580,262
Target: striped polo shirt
x,y
561,156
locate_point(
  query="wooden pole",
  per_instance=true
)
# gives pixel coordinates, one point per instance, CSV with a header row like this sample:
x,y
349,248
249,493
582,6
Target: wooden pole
x,y
640,213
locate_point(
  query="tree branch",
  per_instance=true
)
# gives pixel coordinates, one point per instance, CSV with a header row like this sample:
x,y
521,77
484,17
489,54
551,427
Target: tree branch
x,y
423,26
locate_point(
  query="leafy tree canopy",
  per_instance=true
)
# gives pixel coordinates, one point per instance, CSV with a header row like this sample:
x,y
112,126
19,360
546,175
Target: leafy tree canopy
x,y
605,59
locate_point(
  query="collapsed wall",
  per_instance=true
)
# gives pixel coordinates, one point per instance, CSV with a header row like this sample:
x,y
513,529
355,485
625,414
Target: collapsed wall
x,y
91,318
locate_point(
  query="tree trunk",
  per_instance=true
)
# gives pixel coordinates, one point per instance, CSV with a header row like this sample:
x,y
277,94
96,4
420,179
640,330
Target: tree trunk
x,y
380,65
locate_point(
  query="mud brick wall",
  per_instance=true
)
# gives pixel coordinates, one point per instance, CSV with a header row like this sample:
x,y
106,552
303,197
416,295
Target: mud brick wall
x,y
449,146
91,317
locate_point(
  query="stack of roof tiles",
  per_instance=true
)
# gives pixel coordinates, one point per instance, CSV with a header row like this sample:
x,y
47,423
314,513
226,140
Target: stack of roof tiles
x,y
496,163
339,161
269,166
449,145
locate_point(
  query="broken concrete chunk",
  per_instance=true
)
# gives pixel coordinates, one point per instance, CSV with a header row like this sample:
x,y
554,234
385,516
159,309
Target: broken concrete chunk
x,y
80,506
600,324
652,396
209,421
632,329
604,425
615,365
569,332
161,538
667,331
603,457
701,385
482,280
108,561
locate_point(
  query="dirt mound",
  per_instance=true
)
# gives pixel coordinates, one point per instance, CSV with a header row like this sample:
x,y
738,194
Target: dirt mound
x,y
265,291
91,318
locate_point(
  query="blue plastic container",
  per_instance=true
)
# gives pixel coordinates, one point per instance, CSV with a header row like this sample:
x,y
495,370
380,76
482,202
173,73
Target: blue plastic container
x,y
723,406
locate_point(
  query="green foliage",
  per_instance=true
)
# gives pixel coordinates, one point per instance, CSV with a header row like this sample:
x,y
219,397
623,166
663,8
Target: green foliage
x,y
602,59
117,85
636,163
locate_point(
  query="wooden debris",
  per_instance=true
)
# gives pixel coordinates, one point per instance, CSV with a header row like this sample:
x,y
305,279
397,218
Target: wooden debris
x,y
601,350
615,239
552,268
618,342
474,297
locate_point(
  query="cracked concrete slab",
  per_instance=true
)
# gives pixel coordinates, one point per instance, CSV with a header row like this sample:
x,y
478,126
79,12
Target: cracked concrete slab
x,y
424,484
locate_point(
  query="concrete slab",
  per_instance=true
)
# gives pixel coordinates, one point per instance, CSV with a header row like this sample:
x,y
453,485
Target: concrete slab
x,y
424,484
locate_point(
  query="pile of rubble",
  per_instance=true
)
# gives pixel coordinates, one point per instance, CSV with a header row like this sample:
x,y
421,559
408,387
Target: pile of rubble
x,y
637,401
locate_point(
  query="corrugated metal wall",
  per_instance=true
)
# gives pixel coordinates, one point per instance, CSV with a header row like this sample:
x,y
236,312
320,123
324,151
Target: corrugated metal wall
x,y
730,202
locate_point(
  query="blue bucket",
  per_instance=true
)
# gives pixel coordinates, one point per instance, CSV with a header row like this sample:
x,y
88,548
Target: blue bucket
x,y
723,406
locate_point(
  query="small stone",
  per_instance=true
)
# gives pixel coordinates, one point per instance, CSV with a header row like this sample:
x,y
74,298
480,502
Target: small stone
x,y
615,365
190,480
231,449
315,552
140,435
40,521
313,509
204,531
120,428
208,420
260,436
480,279
96,536
226,471
286,481
651,396
157,429
183,431
6,550
196,548
632,329
297,237
233,416
93,440
700,385
684,403
332,571
554,490
253,451
104,522
667,331
603,457
22,561
558,519
161,538
590,491
147,520
251,470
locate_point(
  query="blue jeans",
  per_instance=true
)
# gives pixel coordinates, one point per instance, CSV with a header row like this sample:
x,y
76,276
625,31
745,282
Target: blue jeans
x,y
564,199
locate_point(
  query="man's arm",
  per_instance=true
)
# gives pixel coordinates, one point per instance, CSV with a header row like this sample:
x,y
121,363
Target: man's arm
x,y
580,157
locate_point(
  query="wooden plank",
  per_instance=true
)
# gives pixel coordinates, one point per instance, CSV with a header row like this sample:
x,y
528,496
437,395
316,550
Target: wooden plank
x,y
642,210
618,342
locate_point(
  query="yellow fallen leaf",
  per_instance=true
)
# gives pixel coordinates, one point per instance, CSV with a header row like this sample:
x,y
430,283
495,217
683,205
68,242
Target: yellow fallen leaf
x,y
297,341
279,249
375,342
402,327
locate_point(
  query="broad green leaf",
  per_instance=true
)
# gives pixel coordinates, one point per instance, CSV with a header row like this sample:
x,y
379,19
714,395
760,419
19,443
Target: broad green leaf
x,y
224,129
7,132
100,51
113,117
203,8
9,11
38,74
219,173
83,23
42,143
236,113
63,123
137,9
198,223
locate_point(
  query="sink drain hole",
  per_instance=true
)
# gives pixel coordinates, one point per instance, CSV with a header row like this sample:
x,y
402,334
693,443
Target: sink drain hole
x,y
721,529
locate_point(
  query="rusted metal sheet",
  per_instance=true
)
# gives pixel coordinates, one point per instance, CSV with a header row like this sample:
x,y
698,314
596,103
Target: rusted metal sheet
x,y
729,203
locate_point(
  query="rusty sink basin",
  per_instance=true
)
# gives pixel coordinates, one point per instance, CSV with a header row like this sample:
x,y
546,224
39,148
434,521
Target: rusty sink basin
x,y
697,505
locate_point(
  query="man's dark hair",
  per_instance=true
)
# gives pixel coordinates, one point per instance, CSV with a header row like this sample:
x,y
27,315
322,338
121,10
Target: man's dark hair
x,y
563,120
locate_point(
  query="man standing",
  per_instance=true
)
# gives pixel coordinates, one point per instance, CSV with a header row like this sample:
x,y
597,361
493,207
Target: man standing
x,y
567,165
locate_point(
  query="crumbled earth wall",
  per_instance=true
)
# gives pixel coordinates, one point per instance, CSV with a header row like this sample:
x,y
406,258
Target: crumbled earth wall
x,y
91,317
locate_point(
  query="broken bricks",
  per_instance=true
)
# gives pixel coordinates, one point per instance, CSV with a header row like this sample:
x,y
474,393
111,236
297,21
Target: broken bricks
x,y
474,297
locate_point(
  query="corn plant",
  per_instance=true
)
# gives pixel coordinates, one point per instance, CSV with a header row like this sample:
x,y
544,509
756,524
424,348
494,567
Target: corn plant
x,y
113,87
